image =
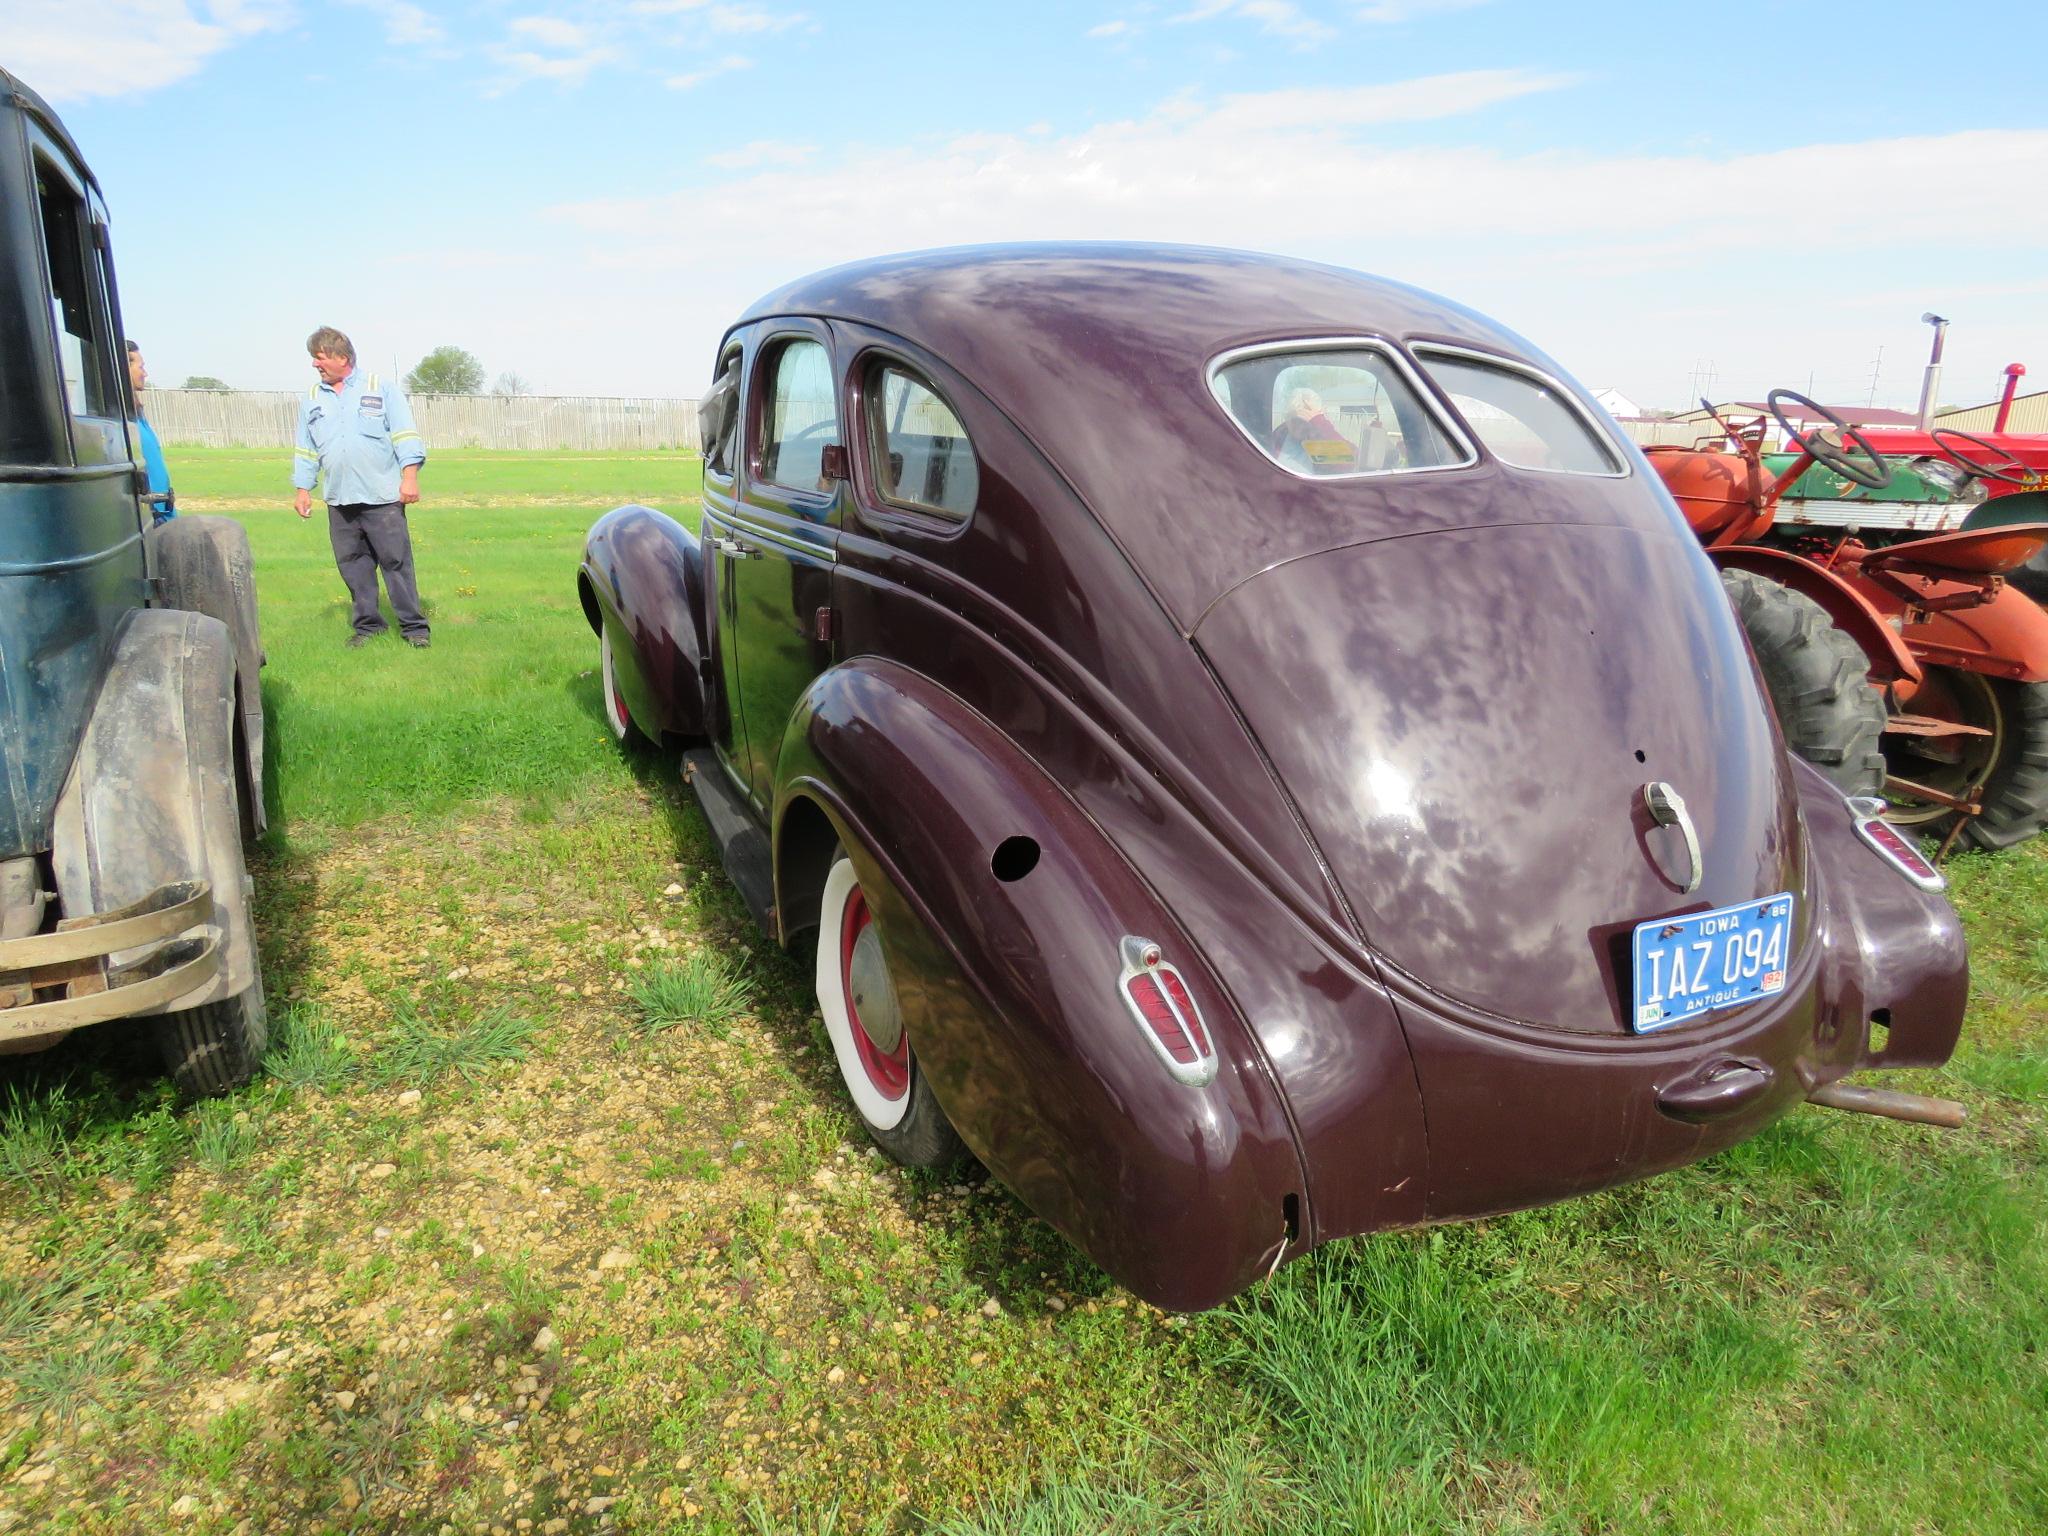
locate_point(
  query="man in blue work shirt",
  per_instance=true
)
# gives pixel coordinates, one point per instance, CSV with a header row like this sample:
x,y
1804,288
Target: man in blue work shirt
x,y
162,505
357,431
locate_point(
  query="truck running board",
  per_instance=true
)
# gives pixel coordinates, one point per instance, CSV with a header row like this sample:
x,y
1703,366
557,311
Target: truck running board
x,y
743,846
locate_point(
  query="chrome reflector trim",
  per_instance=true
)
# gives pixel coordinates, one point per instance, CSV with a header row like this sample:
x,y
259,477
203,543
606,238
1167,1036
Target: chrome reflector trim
x,y
1145,968
1897,848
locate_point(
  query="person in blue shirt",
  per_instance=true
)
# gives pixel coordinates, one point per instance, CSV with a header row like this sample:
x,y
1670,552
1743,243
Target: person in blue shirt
x,y
356,430
162,505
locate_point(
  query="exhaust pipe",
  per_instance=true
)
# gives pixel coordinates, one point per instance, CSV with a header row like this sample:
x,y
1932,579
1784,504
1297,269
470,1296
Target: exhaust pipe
x,y
1932,382
2014,372
1890,1103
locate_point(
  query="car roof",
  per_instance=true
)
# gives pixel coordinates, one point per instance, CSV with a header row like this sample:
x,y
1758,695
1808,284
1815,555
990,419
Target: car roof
x,y
19,96
1099,353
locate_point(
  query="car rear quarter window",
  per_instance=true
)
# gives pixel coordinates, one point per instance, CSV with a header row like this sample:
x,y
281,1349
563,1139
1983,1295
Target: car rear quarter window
x,y
1329,409
922,457
801,421
1522,417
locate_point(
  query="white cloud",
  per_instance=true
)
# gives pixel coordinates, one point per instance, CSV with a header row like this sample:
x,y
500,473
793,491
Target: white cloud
x,y
405,24
1282,18
690,79
1110,29
1597,253
762,152
750,19
73,50
549,32
1391,11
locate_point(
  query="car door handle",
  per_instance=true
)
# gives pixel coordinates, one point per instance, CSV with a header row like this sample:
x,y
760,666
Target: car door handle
x,y
733,549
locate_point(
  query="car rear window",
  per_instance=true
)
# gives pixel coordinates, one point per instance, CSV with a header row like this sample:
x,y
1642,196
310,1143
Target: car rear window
x,y
1523,418
1327,409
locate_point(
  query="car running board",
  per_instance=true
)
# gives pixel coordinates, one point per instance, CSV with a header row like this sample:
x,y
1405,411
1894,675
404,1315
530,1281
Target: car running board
x,y
743,846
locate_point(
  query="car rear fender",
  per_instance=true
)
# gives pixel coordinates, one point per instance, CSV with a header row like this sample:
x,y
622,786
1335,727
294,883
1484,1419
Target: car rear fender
x,y
151,796
1900,977
1852,613
642,580
1002,907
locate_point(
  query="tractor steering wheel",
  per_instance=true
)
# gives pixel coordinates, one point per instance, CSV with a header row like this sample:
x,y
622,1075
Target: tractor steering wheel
x,y
2002,467
1875,475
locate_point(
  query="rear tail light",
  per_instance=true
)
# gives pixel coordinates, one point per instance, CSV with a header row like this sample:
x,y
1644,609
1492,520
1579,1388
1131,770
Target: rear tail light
x,y
1896,847
1159,1000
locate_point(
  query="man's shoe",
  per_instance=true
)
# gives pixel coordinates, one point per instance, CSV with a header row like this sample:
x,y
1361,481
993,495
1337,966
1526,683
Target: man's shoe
x,y
419,642
356,642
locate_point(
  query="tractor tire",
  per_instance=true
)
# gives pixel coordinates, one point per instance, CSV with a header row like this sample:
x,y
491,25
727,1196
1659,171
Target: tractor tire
x,y
2016,792
1818,680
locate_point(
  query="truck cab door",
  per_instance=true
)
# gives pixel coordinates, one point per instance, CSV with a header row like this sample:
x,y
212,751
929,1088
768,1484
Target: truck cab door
x,y
774,545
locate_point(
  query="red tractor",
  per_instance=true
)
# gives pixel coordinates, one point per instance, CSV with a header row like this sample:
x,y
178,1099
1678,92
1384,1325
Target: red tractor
x,y
1897,651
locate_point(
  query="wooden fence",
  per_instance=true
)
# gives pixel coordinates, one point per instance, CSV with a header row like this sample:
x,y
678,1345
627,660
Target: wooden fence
x,y
267,419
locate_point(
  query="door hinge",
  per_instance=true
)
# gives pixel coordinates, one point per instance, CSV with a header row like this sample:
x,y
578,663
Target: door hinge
x,y
821,625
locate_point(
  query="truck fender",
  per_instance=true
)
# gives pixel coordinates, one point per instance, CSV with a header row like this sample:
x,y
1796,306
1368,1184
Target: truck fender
x,y
203,564
1849,610
2005,637
151,795
1002,908
642,589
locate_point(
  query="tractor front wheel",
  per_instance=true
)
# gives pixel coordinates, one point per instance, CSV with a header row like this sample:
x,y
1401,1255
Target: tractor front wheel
x,y
1819,682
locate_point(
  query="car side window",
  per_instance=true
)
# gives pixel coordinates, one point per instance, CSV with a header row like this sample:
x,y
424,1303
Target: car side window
x,y
83,348
801,421
718,416
922,457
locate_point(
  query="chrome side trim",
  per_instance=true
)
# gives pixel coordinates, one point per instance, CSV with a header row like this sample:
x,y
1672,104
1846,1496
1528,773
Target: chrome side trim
x,y
1379,344
747,528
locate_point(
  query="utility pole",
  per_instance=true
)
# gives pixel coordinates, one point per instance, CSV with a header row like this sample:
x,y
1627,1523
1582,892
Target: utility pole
x,y
1876,373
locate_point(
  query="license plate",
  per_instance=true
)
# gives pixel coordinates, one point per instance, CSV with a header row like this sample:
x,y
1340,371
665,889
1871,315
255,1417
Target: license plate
x,y
1687,966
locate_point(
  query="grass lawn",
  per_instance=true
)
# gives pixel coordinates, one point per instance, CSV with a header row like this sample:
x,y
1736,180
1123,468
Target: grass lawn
x,y
548,1216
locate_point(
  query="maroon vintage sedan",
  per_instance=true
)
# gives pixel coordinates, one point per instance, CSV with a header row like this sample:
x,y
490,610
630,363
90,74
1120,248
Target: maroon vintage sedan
x,y
1262,758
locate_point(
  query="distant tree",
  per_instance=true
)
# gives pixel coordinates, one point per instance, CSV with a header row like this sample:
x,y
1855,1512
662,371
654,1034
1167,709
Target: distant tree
x,y
510,383
205,381
446,371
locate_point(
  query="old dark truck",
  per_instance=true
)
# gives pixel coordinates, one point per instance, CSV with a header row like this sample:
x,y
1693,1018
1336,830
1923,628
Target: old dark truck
x,y
131,723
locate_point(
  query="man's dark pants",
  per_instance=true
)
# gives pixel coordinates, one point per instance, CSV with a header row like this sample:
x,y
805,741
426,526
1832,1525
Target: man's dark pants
x,y
368,538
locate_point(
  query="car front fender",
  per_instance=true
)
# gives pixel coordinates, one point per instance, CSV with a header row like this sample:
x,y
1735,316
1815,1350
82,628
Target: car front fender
x,y
642,581
151,796
1002,907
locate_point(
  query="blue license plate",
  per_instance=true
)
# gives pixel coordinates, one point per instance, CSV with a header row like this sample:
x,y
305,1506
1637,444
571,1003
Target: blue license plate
x,y
1687,966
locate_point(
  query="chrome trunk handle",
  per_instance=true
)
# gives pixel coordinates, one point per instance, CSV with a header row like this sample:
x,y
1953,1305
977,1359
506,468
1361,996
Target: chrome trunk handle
x,y
1667,809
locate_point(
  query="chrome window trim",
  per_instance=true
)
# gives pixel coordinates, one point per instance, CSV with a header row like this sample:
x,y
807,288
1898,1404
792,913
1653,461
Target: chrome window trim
x,y
1452,429
878,363
1604,434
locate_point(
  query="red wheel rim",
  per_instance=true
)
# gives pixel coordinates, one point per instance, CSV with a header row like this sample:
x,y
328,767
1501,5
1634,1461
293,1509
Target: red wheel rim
x,y
619,713
889,1071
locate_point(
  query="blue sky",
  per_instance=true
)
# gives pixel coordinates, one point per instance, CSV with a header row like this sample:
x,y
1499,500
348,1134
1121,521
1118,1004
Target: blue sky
x,y
585,192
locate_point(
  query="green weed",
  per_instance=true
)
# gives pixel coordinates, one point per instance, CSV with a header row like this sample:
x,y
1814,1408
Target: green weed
x,y
423,1047
705,988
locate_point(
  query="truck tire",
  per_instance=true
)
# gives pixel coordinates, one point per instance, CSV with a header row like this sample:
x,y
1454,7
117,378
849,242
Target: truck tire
x,y
1819,682
203,565
216,1047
